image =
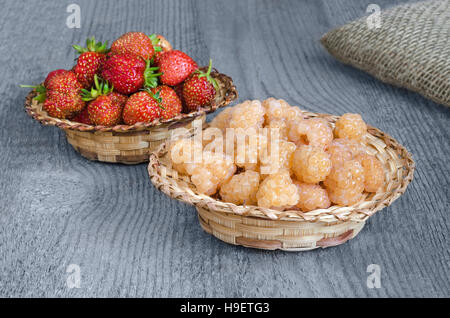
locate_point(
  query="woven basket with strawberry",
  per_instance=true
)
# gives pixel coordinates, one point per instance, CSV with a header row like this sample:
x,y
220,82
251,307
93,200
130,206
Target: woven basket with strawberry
x,y
118,104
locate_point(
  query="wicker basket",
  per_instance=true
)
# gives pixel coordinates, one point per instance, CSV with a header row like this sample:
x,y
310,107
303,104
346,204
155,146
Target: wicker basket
x,y
262,228
127,144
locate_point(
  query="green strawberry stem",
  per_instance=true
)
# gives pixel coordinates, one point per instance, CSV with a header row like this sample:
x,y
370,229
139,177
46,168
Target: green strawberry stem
x,y
150,77
40,97
92,46
101,87
208,76
155,96
155,42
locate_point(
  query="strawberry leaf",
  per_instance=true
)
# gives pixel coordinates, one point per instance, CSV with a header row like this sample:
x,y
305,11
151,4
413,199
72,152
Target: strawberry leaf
x,y
208,76
92,46
101,87
40,89
150,77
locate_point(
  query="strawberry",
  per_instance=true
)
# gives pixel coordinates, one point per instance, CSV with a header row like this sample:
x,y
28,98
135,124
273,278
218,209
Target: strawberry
x,y
160,44
141,107
42,89
90,61
136,43
103,112
163,43
64,81
168,100
83,117
200,89
175,67
105,106
179,90
118,99
63,98
63,106
52,74
128,73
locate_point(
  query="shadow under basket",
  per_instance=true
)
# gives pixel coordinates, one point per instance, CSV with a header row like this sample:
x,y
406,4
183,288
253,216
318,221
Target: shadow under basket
x,y
293,230
128,144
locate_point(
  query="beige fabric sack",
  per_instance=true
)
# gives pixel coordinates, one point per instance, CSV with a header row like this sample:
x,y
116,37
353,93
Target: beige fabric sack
x,y
408,46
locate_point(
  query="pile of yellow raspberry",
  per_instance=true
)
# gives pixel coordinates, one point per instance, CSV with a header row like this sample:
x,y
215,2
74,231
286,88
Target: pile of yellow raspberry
x,y
268,154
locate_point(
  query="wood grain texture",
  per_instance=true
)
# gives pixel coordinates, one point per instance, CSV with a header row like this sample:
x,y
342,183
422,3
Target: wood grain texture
x,y
130,240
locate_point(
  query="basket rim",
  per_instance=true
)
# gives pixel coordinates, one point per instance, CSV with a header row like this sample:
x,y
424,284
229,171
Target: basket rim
x,y
36,111
359,212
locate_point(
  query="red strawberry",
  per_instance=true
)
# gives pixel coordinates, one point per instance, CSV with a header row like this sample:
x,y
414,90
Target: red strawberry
x,y
90,61
63,106
136,43
52,74
141,107
83,117
168,100
163,43
42,89
102,111
105,107
175,67
200,89
64,81
118,99
63,96
160,44
129,73
179,90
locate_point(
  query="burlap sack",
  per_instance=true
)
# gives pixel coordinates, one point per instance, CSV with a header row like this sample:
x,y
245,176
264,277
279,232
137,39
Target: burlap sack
x,y
408,46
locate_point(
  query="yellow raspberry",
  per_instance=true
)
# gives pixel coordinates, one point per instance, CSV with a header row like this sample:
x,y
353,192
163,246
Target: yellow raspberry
x,y
274,109
204,181
279,109
213,139
280,125
248,114
241,188
272,160
314,132
183,151
345,197
354,146
277,191
373,172
350,126
339,153
222,120
348,175
220,168
248,145
311,164
293,113
345,183
311,197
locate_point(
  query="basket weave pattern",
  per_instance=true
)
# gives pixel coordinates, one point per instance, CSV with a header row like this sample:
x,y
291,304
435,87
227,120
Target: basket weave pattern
x,y
292,230
128,144
410,48
122,147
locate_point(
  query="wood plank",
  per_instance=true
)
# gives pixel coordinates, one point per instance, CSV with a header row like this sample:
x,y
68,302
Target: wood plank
x,y
130,240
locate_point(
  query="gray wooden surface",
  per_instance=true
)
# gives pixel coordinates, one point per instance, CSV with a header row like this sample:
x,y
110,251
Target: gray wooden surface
x,y
57,208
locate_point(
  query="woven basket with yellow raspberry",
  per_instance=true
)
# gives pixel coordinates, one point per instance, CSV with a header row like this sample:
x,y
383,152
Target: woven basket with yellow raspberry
x,y
291,229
